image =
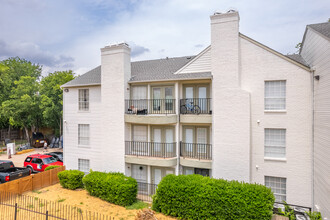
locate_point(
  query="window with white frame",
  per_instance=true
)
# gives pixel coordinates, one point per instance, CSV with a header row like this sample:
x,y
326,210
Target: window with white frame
x,y
83,165
83,134
83,99
278,187
140,136
275,95
275,143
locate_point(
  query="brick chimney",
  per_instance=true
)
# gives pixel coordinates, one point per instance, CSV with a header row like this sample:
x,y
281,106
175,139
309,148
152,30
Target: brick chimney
x,y
225,49
115,73
231,104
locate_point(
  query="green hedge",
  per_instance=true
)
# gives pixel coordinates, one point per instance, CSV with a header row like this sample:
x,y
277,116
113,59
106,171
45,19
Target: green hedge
x,y
198,197
112,187
71,179
51,167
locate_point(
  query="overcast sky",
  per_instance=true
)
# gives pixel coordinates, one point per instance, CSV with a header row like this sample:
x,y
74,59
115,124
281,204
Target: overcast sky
x,y
68,34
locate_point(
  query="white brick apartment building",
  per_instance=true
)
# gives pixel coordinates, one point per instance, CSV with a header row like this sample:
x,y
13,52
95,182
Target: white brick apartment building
x,y
238,110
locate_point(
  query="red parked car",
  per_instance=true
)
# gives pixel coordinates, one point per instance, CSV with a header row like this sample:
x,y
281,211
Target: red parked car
x,y
39,162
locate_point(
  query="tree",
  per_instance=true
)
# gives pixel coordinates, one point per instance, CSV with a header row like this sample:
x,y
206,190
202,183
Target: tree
x,y
23,107
52,98
11,70
4,81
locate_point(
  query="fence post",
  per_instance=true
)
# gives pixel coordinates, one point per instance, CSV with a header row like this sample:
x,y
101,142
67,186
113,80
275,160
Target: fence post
x,y
47,215
15,217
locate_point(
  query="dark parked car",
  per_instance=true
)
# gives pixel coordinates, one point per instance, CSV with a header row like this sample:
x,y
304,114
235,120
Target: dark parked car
x,y
57,155
38,139
9,172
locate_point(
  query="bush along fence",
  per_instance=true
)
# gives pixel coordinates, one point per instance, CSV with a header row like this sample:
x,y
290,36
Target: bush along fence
x,y
71,179
198,197
112,187
32,182
17,207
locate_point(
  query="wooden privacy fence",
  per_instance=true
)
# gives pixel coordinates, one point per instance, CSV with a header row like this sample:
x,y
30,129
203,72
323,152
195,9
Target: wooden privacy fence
x,y
13,134
32,182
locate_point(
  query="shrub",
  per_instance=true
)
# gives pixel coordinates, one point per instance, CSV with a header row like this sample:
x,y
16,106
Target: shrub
x,y
198,197
287,212
71,179
51,167
112,187
314,215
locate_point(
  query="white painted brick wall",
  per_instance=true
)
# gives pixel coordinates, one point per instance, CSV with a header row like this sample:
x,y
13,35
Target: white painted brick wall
x,y
70,129
259,65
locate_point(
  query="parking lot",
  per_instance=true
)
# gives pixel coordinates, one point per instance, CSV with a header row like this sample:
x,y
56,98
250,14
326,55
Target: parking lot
x,y
19,159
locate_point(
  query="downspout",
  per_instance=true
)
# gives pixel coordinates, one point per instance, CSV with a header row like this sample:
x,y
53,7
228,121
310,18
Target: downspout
x,y
313,124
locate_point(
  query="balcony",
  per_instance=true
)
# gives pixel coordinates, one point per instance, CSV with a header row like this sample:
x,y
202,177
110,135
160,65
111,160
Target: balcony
x,y
150,153
195,106
150,106
196,151
196,155
150,149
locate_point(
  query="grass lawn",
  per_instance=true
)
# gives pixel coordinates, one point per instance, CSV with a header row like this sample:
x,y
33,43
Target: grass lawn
x,y
81,199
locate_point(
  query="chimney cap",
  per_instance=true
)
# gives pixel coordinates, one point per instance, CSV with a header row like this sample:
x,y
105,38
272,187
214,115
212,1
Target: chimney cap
x,y
121,46
230,10
230,15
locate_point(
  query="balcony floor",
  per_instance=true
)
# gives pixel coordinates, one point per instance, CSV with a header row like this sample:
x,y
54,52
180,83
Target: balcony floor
x,y
151,119
152,161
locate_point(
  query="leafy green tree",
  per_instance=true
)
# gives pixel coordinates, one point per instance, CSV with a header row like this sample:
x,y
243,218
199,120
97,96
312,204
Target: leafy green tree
x,y
4,81
11,70
52,98
23,107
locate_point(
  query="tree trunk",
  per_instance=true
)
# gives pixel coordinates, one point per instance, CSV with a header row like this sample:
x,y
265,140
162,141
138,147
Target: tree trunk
x,y
60,127
27,134
9,128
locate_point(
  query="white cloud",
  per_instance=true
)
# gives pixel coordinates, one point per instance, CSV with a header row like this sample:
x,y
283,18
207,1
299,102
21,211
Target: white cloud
x,y
62,29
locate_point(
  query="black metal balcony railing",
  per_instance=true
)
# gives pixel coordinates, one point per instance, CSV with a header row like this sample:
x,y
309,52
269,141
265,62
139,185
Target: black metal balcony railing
x,y
150,106
146,191
196,151
300,212
195,106
150,149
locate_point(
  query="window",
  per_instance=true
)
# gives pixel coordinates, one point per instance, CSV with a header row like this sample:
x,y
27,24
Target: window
x,y
140,133
83,165
139,137
190,170
278,186
275,143
195,140
139,92
83,99
36,160
275,93
83,134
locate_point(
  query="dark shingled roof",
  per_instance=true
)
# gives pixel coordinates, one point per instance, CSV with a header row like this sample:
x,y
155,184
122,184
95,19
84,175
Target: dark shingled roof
x,y
148,70
92,77
322,28
298,58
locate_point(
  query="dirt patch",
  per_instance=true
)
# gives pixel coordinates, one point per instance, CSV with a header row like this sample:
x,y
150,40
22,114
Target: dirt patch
x,y
81,199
